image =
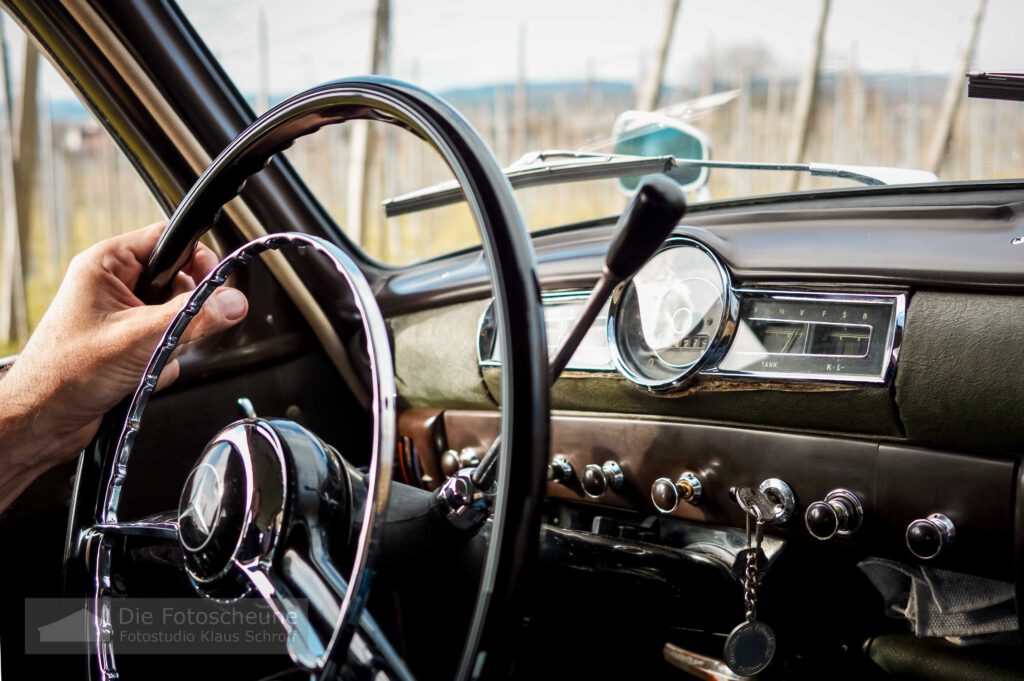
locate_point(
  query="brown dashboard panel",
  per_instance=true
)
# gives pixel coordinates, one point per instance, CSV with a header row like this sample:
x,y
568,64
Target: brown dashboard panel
x,y
895,484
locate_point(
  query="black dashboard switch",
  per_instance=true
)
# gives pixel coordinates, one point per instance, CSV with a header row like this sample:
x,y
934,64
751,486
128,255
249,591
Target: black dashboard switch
x,y
593,481
840,513
822,521
926,537
596,480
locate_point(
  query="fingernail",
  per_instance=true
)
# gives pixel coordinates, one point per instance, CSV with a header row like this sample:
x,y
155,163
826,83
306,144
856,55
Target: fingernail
x,y
231,303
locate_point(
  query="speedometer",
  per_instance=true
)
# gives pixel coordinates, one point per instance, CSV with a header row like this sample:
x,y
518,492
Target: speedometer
x,y
670,318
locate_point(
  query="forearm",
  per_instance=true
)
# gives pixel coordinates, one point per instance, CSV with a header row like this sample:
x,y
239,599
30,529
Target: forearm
x,y
29,446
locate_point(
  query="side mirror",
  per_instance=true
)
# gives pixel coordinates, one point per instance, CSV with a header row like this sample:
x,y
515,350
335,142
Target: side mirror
x,y
641,133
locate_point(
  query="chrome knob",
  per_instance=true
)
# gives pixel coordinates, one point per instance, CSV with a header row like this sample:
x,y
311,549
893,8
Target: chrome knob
x,y
452,461
840,513
666,495
560,470
596,480
926,537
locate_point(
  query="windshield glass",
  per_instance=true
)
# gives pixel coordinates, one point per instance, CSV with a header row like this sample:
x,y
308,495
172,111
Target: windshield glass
x,y
867,83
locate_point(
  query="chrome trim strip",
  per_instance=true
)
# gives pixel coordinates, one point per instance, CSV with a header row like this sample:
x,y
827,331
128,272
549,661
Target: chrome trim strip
x,y
161,526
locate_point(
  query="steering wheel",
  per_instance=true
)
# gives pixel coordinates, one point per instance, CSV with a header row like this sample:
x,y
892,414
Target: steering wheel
x,y
270,509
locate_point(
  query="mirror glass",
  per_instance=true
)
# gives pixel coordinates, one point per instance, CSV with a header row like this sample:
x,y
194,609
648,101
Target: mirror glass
x,y
638,133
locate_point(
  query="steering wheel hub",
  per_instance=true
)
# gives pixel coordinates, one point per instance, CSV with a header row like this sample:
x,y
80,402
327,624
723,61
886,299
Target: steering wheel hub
x,y
233,505
202,498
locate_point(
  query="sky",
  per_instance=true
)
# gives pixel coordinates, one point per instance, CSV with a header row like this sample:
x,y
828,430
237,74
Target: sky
x,y
448,44
444,44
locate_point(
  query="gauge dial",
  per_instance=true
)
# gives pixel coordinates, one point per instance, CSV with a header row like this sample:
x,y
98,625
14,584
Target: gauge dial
x,y
671,316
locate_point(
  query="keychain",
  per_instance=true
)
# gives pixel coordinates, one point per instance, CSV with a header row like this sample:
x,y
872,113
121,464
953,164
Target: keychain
x,y
751,645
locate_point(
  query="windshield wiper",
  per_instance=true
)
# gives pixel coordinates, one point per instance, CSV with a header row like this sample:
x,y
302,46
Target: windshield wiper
x,y
556,166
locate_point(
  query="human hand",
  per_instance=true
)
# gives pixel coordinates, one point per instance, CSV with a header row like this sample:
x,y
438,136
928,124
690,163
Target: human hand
x,y
94,342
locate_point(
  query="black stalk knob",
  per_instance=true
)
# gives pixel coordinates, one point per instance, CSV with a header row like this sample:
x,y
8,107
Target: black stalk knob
x,y
656,209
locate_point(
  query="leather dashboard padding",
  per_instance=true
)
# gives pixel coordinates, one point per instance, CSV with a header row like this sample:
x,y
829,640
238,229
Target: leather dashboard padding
x,y
932,659
435,358
860,411
960,378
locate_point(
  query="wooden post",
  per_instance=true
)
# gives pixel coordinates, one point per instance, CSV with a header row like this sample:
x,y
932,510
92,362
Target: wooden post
x,y
956,87
649,95
806,94
501,125
912,131
13,315
52,198
520,102
26,150
263,49
364,140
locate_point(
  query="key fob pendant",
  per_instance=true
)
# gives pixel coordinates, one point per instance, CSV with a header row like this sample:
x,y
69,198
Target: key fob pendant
x,y
739,566
750,648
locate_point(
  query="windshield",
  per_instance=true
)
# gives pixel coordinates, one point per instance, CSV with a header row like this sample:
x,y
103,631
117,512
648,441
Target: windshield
x,y
867,83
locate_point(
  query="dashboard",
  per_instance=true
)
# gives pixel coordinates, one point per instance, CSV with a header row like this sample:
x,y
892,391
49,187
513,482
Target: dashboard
x,y
739,356
680,322
852,357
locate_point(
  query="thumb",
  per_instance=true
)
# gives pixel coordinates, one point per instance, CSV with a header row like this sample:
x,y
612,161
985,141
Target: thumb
x,y
222,310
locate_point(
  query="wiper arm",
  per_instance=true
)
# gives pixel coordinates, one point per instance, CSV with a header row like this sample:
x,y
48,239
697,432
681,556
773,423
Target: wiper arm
x,y
537,169
557,166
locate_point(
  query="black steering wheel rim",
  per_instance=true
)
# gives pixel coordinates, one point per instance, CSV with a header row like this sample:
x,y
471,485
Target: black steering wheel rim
x,y
525,389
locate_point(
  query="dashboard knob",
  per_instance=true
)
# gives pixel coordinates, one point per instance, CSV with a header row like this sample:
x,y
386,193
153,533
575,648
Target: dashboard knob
x,y
666,494
596,480
560,470
452,461
926,537
840,513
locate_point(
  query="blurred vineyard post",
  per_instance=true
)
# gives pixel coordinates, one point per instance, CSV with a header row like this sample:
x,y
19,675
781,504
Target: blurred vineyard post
x,y
18,154
649,94
364,166
955,91
806,95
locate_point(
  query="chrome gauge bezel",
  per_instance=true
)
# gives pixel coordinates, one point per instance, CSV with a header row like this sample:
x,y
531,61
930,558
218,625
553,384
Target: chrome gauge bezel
x,y
718,344
893,335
